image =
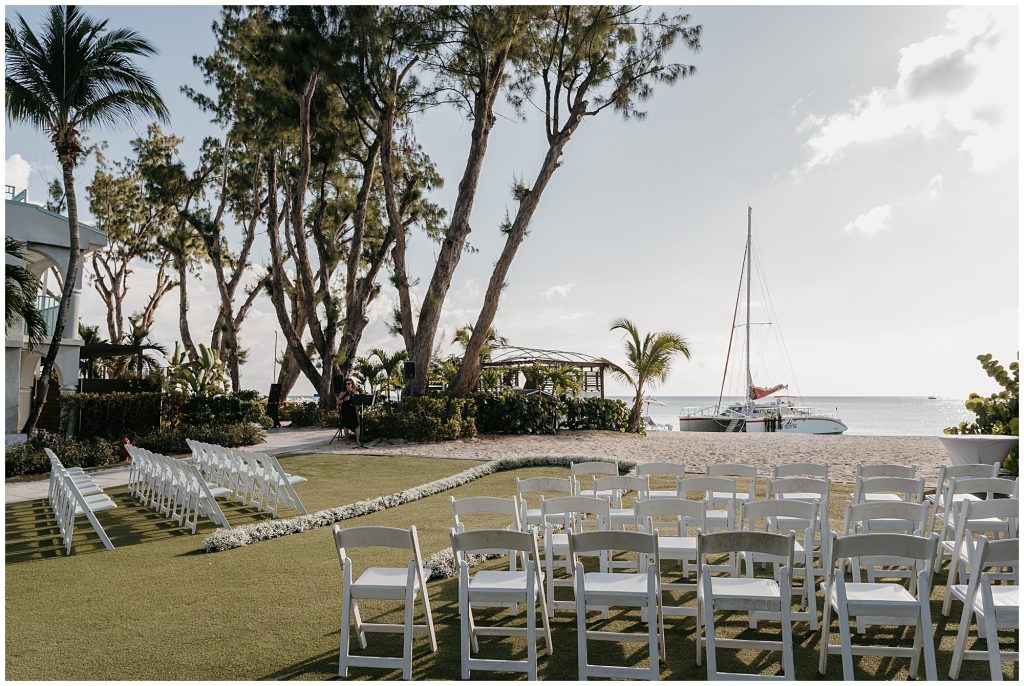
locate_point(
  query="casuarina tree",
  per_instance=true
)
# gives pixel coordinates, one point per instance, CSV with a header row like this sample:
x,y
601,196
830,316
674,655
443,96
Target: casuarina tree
x,y
75,74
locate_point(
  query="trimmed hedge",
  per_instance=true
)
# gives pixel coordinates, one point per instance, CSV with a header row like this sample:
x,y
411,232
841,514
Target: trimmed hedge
x,y
439,418
235,408
172,441
517,413
423,418
307,414
29,458
595,413
110,415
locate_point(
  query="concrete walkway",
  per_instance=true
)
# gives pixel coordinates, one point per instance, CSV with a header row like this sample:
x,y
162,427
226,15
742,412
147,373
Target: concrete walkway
x,y
278,441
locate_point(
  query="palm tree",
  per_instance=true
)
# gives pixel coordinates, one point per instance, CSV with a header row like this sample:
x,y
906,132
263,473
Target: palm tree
x,y
91,367
389,365
74,75
20,287
649,360
368,373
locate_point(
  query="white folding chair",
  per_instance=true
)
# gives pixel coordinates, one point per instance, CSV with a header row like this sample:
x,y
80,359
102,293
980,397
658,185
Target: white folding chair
x,y
620,516
887,604
870,471
947,472
539,484
69,503
999,516
806,489
769,598
893,489
805,469
580,470
498,511
573,512
711,489
653,470
601,590
994,606
734,471
686,518
783,517
956,494
503,588
381,583
883,517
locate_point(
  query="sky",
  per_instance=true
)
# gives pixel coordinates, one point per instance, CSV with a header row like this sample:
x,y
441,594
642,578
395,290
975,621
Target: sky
x,y
877,146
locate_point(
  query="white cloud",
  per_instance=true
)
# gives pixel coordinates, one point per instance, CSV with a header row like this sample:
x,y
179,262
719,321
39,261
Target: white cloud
x,y
16,172
935,186
557,292
963,81
871,222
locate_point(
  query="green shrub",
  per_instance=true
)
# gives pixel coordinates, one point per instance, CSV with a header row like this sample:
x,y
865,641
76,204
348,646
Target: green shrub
x,y
998,414
234,408
307,414
172,441
110,415
602,414
423,418
29,458
509,412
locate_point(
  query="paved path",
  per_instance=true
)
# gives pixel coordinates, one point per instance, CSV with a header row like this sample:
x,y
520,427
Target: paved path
x,y
278,441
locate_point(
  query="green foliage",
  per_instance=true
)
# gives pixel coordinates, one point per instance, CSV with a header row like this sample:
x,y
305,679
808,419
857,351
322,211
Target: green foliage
x,y
998,414
648,362
509,412
423,418
602,414
236,408
29,458
203,376
172,441
307,414
20,288
111,415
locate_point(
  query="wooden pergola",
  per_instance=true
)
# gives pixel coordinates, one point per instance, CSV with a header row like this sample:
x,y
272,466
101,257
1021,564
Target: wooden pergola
x,y
591,368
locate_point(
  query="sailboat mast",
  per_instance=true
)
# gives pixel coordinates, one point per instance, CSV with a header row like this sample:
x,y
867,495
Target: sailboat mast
x,y
750,381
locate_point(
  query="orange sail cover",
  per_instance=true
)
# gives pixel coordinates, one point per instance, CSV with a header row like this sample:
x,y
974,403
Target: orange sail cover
x,y
756,392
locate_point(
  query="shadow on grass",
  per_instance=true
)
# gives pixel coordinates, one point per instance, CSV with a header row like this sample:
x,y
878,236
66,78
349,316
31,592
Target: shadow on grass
x,y
32,532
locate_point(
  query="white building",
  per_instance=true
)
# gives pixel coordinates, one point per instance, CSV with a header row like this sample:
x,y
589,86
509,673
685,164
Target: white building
x,y
47,252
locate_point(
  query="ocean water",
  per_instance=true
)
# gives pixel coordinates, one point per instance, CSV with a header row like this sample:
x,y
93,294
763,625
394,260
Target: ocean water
x,y
866,416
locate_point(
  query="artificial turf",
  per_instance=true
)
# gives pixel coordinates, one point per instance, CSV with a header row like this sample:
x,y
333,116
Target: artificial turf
x,y
158,607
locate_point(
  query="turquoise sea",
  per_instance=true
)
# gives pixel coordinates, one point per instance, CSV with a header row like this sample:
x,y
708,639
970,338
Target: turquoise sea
x,y
866,416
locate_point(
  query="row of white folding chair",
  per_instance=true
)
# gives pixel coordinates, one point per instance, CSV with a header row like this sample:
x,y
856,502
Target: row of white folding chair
x,y
175,489
71,493
256,479
961,471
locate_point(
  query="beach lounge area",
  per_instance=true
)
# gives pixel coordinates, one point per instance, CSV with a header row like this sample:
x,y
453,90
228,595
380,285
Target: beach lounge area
x,y
159,606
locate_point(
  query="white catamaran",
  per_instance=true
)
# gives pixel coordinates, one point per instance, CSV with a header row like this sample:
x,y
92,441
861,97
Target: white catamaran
x,y
757,413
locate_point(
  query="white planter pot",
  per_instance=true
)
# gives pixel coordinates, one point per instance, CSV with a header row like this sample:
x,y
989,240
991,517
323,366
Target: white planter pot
x,y
978,448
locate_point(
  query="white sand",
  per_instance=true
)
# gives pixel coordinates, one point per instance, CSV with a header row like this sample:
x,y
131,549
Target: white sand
x,y
695,450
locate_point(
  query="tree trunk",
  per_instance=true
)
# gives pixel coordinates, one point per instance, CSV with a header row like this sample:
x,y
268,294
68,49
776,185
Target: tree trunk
x,y
164,284
64,309
455,239
397,228
469,371
186,334
634,416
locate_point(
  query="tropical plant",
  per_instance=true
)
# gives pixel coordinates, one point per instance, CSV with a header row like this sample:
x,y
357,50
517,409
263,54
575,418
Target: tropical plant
x,y
74,75
998,414
20,289
91,367
146,365
368,373
203,376
391,368
648,362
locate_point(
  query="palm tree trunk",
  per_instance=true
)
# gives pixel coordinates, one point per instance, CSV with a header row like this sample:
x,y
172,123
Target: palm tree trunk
x,y
70,279
636,414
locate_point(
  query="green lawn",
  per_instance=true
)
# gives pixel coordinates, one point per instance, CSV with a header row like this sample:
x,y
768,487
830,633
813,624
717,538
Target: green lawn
x,y
157,607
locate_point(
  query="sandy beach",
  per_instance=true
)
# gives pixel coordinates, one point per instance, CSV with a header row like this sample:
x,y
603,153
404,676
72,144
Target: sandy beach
x,y
695,450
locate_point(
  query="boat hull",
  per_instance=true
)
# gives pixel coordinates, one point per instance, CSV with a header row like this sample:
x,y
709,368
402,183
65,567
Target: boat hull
x,y
795,425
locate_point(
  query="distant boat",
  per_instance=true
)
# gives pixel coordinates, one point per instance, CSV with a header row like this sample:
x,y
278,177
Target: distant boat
x,y
777,414
932,397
